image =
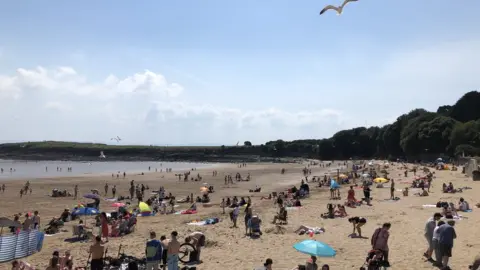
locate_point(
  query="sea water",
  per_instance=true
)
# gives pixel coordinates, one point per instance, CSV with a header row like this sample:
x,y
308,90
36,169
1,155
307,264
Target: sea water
x,y
19,169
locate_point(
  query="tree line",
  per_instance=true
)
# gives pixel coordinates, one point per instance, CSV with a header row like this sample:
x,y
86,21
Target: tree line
x,y
452,130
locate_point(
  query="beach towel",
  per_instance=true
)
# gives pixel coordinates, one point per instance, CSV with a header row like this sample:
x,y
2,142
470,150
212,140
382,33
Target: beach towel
x,y
111,199
468,211
185,212
429,206
293,207
208,221
199,223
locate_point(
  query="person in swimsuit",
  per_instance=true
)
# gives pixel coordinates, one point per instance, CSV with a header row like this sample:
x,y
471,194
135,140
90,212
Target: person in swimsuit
x,y
366,193
357,223
392,190
173,249
104,224
97,250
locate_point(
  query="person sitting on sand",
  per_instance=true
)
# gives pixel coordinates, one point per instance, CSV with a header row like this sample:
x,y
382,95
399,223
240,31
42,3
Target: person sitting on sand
x,y
449,188
453,209
463,205
405,192
340,212
297,203
357,223
66,261
311,263
269,197
193,207
447,212
282,214
267,265
307,230
330,213
422,193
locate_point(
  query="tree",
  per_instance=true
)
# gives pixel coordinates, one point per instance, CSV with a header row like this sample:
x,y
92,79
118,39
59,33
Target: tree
x,y
467,107
465,134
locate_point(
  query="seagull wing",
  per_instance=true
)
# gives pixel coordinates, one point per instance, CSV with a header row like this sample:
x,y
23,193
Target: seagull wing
x,y
346,2
337,9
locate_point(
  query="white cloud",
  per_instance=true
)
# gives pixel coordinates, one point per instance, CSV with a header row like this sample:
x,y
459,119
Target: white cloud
x,y
145,108
62,104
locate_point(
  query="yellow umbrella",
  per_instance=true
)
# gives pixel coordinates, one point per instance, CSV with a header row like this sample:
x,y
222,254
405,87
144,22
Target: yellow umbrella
x,y
343,176
380,180
204,189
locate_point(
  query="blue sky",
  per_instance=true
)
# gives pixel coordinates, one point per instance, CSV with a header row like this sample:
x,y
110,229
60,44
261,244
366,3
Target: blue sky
x,y
218,72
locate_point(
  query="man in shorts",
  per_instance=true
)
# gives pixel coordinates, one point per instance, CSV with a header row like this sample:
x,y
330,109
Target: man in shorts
x,y
446,234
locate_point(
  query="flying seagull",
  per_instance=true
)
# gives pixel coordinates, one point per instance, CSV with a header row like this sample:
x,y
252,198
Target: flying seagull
x,y
337,9
118,139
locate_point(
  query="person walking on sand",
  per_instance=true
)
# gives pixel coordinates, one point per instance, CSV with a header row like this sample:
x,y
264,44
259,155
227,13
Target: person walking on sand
x,y
153,252
106,189
75,192
114,191
446,234
436,249
172,251
97,250
429,228
380,240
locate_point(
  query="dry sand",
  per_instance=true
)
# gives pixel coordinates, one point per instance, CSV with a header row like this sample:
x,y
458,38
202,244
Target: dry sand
x,y
229,248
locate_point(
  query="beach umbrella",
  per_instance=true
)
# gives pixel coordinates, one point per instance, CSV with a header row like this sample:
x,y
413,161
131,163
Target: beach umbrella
x,y
118,204
6,222
92,196
334,184
315,248
366,175
204,189
439,159
343,176
86,211
380,180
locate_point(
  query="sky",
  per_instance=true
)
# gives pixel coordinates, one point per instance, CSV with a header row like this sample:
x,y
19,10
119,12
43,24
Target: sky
x,y
213,72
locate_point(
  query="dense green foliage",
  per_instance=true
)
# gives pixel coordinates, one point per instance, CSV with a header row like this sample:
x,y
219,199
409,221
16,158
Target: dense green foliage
x,y
451,130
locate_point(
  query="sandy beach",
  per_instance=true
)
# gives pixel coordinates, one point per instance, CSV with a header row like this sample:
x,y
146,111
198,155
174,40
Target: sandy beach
x,y
229,248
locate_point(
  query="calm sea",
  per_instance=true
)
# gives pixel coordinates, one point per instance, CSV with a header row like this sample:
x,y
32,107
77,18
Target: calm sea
x,y
45,169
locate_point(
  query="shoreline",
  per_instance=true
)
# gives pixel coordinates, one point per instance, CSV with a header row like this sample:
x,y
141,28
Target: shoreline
x,y
107,172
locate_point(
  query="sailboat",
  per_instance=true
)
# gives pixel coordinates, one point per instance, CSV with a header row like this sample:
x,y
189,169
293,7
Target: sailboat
x,y
102,155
